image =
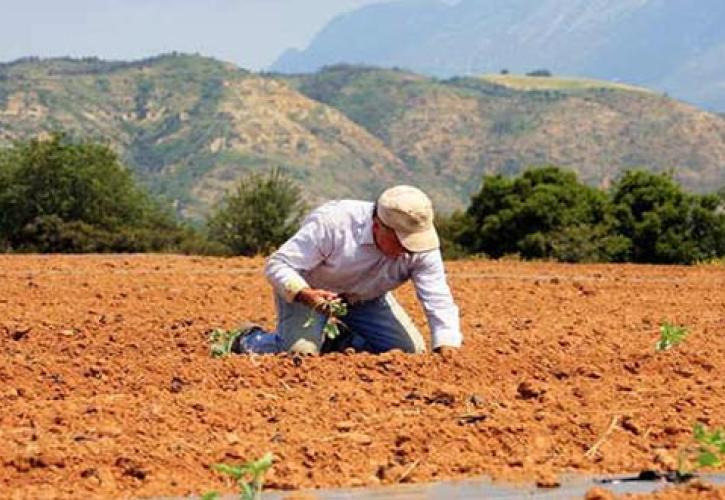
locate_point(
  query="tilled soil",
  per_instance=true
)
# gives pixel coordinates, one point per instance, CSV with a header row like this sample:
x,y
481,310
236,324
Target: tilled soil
x,y
107,388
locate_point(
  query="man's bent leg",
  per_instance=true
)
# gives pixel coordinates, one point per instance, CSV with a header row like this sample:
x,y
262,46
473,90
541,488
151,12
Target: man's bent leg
x,y
294,335
382,325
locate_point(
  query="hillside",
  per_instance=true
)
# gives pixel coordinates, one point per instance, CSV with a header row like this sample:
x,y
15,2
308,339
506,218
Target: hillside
x,y
672,46
454,131
189,127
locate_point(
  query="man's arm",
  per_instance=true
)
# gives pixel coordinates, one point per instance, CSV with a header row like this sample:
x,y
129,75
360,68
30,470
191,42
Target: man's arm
x,y
429,279
304,251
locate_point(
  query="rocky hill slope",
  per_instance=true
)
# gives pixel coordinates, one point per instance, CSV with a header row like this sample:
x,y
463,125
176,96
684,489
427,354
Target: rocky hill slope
x,y
452,132
189,127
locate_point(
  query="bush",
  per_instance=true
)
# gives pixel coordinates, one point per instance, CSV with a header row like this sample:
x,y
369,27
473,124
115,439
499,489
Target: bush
x,y
721,195
665,224
260,215
62,196
545,213
450,228
540,73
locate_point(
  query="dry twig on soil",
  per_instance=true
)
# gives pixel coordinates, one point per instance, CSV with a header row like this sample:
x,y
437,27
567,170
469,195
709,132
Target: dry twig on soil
x,y
593,450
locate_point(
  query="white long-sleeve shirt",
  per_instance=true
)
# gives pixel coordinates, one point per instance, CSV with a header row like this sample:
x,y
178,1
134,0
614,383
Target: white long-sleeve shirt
x,y
334,250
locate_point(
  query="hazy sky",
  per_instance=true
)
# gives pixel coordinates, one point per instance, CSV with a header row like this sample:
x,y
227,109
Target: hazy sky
x,y
250,33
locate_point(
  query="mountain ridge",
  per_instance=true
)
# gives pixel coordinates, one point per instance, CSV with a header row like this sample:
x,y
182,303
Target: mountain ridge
x,y
190,127
662,44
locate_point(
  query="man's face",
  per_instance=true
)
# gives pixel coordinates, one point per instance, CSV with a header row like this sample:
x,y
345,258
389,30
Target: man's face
x,y
386,240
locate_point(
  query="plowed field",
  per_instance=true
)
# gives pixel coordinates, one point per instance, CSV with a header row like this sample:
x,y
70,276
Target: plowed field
x,y
107,388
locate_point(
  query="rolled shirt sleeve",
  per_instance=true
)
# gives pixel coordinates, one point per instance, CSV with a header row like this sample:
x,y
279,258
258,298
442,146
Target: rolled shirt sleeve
x,y
304,251
435,296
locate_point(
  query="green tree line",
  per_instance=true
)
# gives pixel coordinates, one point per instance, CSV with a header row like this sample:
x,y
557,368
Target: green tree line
x,y
546,213
61,195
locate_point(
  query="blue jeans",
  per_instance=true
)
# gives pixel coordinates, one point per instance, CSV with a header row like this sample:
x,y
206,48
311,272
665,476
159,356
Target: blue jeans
x,y
376,326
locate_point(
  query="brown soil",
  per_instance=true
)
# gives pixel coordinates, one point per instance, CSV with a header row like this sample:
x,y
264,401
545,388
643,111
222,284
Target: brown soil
x,y
108,389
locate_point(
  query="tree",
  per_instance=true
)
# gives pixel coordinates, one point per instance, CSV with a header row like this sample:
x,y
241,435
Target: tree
x,y
450,230
57,195
263,212
545,213
665,224
539,73
721,195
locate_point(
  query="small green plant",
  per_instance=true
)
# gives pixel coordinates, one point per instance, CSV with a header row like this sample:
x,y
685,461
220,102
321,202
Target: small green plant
x,y
221,342
670,336
708,450
249,477
334,308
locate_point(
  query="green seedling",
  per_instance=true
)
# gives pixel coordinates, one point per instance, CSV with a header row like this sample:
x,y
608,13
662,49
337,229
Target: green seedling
x,y
249,477
334,308
221,342
709,450
670,336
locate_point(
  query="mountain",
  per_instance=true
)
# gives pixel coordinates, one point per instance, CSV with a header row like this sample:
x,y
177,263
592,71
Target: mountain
x,y
669,45
190,127
454,131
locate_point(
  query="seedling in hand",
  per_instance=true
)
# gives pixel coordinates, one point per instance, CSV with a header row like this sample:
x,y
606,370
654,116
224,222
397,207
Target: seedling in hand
x,y
670,336
334,309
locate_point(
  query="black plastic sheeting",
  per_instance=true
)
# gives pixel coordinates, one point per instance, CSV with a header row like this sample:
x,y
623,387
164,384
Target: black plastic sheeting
x,y
470,489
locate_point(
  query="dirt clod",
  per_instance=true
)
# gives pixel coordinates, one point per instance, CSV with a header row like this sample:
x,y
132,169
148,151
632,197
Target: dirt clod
x,y
529,389
599,493
547,480
176,385
20,333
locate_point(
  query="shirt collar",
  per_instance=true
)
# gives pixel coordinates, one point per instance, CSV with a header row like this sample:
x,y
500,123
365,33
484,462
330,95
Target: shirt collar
x,y
365,231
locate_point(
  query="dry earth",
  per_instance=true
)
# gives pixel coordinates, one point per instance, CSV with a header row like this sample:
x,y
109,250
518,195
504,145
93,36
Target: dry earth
x,y
107,389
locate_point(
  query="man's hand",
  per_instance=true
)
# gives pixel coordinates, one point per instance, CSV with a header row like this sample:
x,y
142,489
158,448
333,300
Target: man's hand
x,y
315,298
445,351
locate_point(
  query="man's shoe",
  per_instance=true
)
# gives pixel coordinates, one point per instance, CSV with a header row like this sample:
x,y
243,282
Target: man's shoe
x,y
246,329
252,339
225,342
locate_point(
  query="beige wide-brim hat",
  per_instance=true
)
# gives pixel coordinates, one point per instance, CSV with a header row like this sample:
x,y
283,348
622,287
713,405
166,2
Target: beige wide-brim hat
x,y
409,212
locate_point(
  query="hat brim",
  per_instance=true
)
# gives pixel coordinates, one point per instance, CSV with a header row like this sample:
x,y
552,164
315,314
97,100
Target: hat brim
x,y
422,241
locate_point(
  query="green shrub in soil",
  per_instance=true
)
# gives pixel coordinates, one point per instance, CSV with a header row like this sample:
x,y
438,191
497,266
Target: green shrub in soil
x,y
261,214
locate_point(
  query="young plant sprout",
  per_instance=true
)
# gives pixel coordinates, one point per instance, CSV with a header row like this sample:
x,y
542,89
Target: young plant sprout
x,y
670,336
334,308
221,342
249,477
709,450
